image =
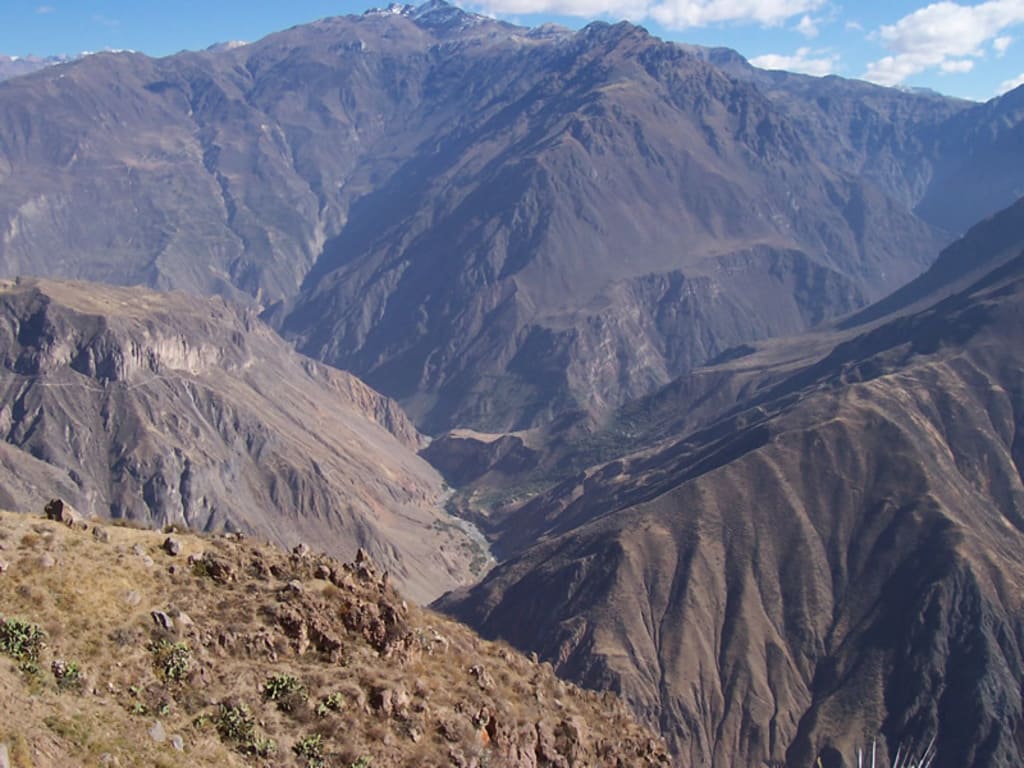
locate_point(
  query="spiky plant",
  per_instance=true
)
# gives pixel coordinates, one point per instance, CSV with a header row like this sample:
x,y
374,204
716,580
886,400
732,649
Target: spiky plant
x,y
901,760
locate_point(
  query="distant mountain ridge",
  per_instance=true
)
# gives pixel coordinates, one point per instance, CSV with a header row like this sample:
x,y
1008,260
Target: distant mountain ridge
x,y
495,225
13,66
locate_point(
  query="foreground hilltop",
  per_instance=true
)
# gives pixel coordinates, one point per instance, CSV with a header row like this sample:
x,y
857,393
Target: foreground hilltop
x,y
127,647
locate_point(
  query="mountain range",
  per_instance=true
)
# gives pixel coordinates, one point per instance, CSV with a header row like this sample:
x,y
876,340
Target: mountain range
x,y
495,225
671,328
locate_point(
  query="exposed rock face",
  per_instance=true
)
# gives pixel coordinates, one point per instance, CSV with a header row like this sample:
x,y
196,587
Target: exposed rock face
x,y
544,221
969,185
161,408
493,224
952,162
838,558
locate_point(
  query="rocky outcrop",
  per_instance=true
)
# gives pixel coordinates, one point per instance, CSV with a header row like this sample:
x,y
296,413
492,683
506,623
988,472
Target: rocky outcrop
x,y
463,458
62,512
299,658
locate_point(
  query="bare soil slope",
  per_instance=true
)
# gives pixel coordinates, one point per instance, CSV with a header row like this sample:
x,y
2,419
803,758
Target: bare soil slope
x,y
839,558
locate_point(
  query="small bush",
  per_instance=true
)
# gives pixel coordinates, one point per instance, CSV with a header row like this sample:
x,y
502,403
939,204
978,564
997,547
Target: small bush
x,y
23,642
235,723
284,690
67,674
362,762
173,661
311,749
332,702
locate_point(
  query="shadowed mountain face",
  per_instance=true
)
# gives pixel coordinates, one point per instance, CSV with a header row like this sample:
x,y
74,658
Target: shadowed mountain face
x,y
493,224
839,558
161,408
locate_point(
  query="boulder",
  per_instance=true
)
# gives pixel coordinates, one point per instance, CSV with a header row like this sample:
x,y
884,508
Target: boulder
x,y
162,620
157,732
62,512
172,546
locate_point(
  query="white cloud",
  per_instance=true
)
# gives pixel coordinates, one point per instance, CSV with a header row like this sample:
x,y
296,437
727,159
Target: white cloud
x,y
807,26
676,14
45,10
939,34
1009,85
956,66
1000,44
805,60
854,26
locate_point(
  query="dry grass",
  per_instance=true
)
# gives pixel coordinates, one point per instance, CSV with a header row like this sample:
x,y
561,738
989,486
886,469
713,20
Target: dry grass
x,y
412,701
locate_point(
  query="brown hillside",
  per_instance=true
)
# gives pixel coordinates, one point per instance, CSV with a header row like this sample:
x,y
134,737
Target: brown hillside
x,y
839,557
167,408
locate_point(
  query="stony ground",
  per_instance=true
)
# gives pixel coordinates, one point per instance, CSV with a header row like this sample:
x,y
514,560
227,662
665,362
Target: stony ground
x,y
122,647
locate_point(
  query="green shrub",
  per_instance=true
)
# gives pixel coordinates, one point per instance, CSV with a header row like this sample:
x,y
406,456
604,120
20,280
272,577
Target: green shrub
x,y
284,690
311,749
68,675
23,642
235,723
264,747
332,702
173,661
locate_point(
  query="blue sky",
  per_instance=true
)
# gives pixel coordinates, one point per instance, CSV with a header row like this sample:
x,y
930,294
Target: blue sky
x,y
973,50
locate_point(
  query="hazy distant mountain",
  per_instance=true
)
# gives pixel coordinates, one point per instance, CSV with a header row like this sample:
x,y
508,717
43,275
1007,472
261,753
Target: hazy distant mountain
x,y
952,172
493,224
982,153
13,66
161,408
838,556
